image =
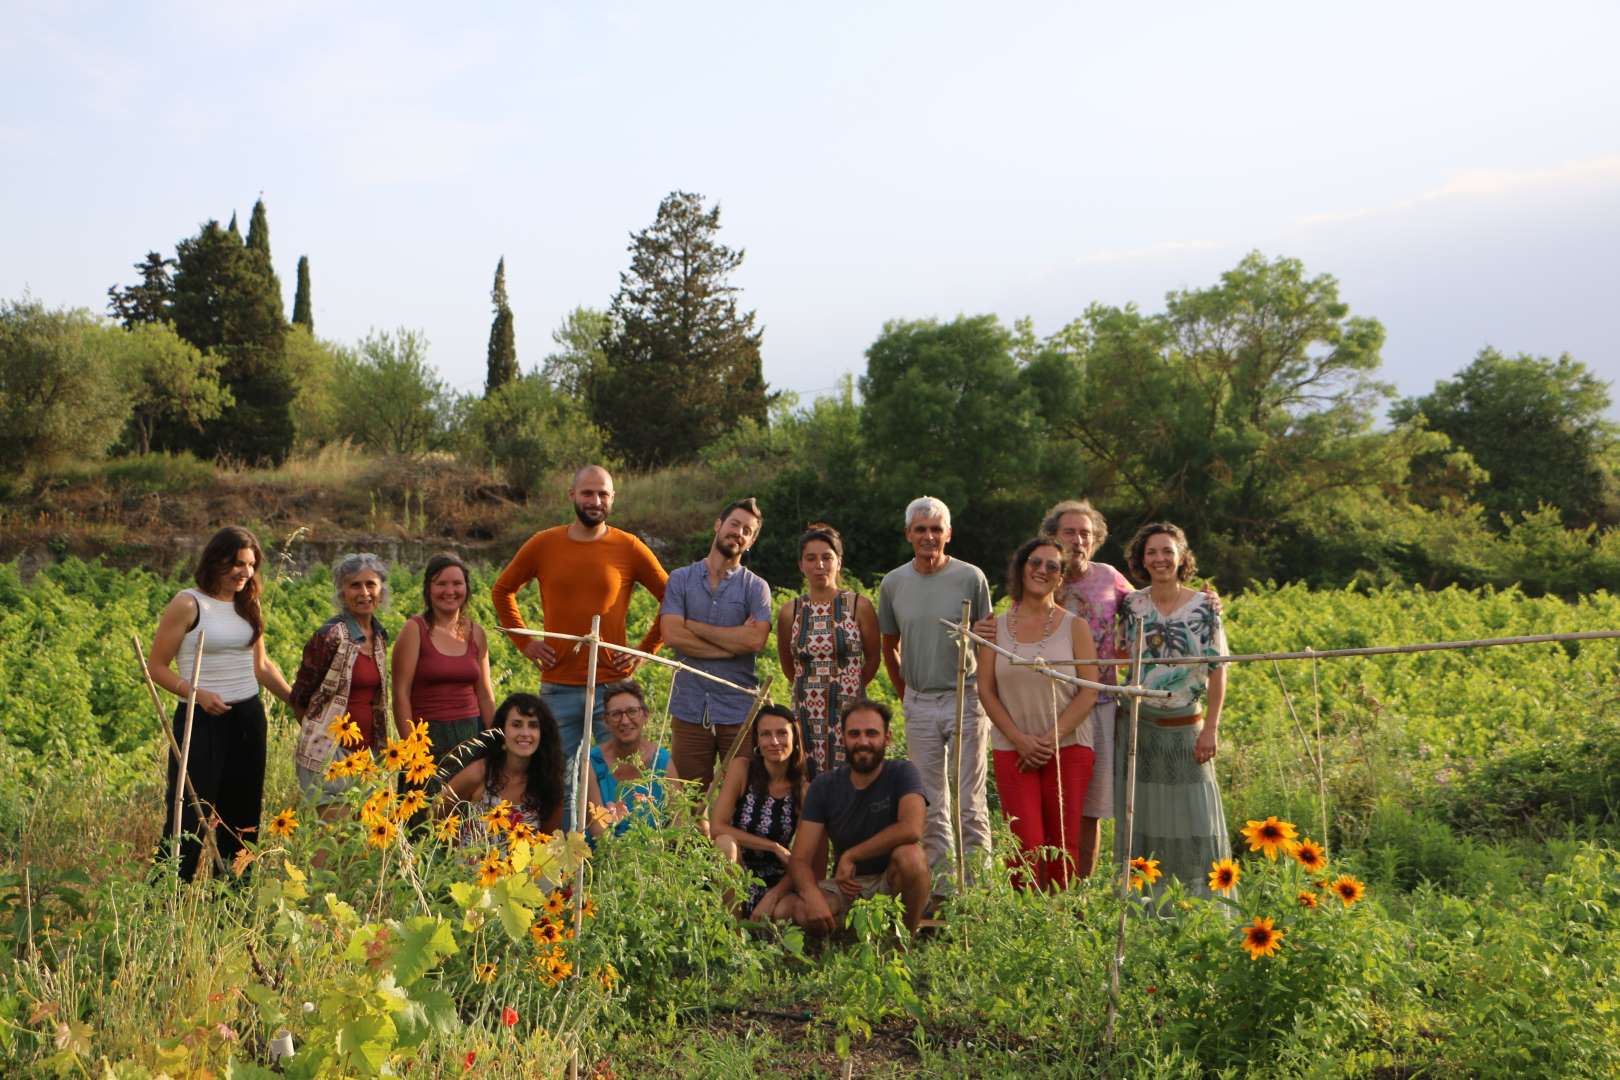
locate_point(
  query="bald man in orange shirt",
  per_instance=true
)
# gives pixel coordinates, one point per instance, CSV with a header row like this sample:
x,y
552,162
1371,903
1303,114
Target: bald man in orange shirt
x,y
584,568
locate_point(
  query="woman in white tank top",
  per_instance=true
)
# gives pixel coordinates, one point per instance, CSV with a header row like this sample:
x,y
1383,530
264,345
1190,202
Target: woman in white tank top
x,y
226,764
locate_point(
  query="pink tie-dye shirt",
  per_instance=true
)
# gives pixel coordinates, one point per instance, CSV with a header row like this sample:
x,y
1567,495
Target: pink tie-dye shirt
x,y
1095,598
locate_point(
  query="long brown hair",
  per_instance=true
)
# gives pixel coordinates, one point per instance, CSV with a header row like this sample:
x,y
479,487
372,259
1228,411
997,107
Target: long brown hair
x,y
216,560
759,777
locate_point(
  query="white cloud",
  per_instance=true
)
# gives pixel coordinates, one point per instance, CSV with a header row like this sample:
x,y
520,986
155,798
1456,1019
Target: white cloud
x,y
1492,184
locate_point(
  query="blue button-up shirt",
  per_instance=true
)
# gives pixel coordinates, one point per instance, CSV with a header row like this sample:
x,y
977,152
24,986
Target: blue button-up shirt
x,y
741,596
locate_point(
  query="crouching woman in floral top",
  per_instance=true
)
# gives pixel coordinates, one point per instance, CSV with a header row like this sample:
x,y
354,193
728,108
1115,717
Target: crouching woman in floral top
x,y
757,812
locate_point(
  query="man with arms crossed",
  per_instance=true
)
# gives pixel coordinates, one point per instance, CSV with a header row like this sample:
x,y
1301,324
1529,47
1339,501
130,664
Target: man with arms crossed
x,y
872,811
584,568
716,616
920,656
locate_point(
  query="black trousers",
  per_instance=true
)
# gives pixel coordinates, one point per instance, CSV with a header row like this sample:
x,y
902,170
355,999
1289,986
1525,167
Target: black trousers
x,y
226,766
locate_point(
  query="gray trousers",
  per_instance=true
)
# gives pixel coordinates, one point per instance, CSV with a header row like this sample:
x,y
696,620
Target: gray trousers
x,y
930,743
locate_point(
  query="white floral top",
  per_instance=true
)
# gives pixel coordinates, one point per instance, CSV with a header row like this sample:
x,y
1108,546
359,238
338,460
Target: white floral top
x,y
1193,629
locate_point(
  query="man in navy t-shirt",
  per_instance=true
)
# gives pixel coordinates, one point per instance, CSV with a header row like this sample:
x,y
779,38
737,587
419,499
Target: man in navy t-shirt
x,y
872,810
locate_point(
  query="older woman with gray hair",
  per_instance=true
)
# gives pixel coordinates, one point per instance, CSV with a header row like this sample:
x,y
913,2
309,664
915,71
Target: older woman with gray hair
x,y
344,671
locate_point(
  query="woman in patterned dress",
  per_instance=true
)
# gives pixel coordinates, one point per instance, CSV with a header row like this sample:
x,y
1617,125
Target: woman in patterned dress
x,y
754,817
1178,815
827,641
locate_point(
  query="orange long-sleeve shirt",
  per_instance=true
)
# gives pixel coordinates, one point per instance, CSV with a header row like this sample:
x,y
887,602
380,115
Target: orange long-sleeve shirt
x,y
578,579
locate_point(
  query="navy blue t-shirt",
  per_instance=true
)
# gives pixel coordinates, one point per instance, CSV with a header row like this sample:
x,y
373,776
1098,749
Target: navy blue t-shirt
x,y
853,815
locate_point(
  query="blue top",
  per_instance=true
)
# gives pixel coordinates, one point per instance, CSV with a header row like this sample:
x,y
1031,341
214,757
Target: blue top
x,y
741,597
613,792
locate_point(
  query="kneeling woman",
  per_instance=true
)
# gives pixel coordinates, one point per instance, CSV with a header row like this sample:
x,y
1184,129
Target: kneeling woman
x,y
523,769
343,671
626,768
757,810
1043,741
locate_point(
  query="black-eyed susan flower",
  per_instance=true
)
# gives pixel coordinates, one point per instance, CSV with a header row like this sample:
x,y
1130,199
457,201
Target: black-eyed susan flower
x,y
521,830
499,817
1144,872
338,769
1261,939
1271,836
381,833
485,973
1223,875
1307,899
491,868
607,976
411,803
420,770
395,755
1311,855
560,966
588,908
546,932
284,823
448,828
377,807
555,903
1347,889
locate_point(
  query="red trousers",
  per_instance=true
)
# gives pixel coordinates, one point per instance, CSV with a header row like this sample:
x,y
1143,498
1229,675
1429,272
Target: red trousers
x,y
1031,802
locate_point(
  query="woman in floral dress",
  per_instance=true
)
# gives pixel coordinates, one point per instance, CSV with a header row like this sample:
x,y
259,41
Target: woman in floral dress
x,y
827,641
1178,815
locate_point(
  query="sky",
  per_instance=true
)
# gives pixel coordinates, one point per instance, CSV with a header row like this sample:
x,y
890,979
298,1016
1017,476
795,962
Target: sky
x,y
1455,166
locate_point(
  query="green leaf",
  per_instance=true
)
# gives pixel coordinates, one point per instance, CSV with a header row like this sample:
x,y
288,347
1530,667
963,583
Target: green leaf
x,y
421,944
367,1040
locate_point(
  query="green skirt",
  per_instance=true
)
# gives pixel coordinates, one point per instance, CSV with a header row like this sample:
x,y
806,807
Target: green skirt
x,y
1178,819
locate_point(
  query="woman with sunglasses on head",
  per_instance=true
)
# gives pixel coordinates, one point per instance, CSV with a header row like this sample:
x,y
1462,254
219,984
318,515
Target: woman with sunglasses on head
x,y
228,736
1042,741
757,811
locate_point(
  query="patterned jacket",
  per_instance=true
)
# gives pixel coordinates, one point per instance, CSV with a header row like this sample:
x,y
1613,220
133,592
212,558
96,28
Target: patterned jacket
x,y
320,692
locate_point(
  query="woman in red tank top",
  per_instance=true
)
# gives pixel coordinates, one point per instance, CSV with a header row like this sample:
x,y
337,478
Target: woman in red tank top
x,y
441,662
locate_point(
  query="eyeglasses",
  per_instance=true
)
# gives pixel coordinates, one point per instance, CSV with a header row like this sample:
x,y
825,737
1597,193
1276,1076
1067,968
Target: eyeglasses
x,y
633,712
1051,566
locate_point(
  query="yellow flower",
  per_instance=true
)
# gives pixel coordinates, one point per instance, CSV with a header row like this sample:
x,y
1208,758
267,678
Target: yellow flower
x,y
1307,899
284,823
413,802
345,732
1223,874
608,976
395,755
1348,889
1311,855
362,764
560,967
555,904
499,817
420,770
492,868
448,828
338,769
1144,872
546,933
588,908
1260,939
485,973
378,807
1271,836
521,830
381,833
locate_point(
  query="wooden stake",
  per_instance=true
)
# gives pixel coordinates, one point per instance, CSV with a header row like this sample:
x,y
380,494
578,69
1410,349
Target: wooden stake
x,y
954,781
1125,843
174,749
184,774
582,766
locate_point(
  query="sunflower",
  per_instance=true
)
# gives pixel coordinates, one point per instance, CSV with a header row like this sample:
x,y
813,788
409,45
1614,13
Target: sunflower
x,y
1347,889
1223,874
1311,855
448,828
492,868
546,933
555,903
284,823
1271,836
1307,899
1144,872
1260,939
485,973
420,770
411,804
381,833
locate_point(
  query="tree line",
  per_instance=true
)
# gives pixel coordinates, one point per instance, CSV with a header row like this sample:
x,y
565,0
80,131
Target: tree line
x,y
1250,411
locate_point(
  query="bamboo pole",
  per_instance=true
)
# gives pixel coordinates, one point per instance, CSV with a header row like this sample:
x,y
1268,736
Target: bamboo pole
x,y
174,747
185,753
1072,680
581,776
1125,844
1381,650
954,781
761,696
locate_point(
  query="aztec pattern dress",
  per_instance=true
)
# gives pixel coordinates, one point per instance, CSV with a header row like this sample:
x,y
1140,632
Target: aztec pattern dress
x,y
827,655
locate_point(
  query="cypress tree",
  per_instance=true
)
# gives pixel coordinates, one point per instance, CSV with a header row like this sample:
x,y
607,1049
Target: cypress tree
x,y
258,245
232,229
303,315
503,363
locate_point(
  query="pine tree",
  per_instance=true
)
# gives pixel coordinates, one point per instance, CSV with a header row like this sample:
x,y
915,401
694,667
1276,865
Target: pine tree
x,y
303,315
503,363
682,366
226,302
149,302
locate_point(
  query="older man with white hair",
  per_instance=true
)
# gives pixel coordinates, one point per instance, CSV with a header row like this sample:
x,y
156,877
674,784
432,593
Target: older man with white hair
x,y
920,657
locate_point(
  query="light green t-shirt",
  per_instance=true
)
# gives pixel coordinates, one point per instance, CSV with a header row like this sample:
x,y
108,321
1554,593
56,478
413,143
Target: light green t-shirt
x,y
911,604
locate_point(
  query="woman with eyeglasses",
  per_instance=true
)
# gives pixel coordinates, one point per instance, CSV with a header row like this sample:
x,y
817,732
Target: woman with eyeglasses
x,y
1042,743
626,768
827,641
757,811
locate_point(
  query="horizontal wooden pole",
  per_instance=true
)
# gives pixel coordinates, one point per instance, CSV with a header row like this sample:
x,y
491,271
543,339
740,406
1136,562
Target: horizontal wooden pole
x,y
664,660
1374,650
1047,665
